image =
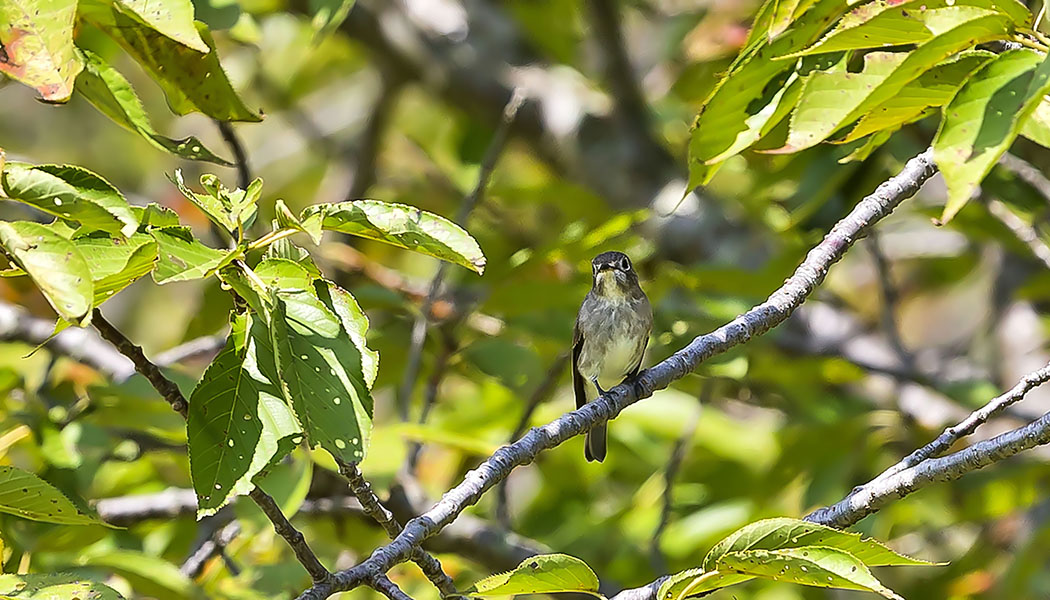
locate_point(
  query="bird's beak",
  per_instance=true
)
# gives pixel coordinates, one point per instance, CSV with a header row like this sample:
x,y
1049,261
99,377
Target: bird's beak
x,y
605,267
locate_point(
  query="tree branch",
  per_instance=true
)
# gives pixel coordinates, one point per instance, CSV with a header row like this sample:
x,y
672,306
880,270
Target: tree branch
x,y
240,157
1021,230
756,321
215,545
388,588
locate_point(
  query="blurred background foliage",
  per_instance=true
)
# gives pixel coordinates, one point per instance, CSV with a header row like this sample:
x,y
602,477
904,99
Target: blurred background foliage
x,y
400,104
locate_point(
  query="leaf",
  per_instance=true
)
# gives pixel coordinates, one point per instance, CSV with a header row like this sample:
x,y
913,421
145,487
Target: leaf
x,y
148,575
783,532
191,81
1037,126
36,46
693,582
236,418
328,15
287,220
171,18
155,215
817,566
833,99
71,193
182,257
984,118
229,209
112,94
115,262
400,225
25,495
932,89
321,371
48,586
284,248
54,264
355,324
543,574
740,103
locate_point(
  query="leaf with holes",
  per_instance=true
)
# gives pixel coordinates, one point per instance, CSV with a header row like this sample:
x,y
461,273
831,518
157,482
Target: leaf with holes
x,y
544,574
47,586
36,46
182,257
192,81
55,265
25,495
237,417
400,225
833,99
817,566
321,370
170,18
984,118
106,89
71,193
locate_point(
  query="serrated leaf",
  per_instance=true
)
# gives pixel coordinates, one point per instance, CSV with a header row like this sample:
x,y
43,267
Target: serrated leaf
x,y
54,264
817,566
57,586
148,575
182,257
171,18
155,215
25,495
109,92
192,81
933,88
690,583
784,532
71,193
984,118
733,111
321,370
399,225
36,46
544,574
831,100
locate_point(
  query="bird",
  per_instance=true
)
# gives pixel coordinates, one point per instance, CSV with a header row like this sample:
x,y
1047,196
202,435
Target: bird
x,y
611,332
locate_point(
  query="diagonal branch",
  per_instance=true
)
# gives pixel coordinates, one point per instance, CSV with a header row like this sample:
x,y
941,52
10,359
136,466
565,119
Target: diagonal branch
x,y
171,393
756,321
389,588
240,156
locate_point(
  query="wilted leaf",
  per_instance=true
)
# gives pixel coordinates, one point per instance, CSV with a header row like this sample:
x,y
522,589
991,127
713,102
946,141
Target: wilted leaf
x,y
36,46
984,118
400,225
114,97
24,494
809,565
54,264
544,574
72,193
46,586
182,257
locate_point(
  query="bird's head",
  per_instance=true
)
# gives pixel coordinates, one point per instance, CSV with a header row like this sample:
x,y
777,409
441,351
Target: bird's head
x,y
613,275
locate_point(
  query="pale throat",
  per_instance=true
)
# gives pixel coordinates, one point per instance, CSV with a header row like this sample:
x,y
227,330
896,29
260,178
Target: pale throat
x,y
608,288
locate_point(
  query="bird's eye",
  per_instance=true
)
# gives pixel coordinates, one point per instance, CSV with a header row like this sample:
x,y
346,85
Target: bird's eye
x,y
625,264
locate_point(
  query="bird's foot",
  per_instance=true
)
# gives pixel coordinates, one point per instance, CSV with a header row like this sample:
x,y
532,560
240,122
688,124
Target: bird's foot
x,y
601,392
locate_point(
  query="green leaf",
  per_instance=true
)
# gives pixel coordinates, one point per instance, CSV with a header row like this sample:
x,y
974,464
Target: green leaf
x,y
106,89
285,219
229,209
355,324
932,89
544,574
284,248
192,81
24,494
741,105
182,257
47,586
321,371
1037,126
71,193
984,118
693,582
817,566
783,532
171,18
236,418
833,99
155,215
54,264
37,41
328,15
400,225
115,262
148,575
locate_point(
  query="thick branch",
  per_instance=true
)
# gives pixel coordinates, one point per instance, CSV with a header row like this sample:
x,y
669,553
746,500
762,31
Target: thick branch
x,y
756,321
389,588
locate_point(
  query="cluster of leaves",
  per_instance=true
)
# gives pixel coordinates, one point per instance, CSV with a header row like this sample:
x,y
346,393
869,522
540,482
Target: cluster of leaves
x,y
814,71
780,549
295,365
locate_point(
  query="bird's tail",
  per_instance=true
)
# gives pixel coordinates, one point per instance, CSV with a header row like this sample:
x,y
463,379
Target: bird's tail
x,y
594,449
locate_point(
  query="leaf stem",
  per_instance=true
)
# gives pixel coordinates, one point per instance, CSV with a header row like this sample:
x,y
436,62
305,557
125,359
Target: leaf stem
x,y
270,238
1029,43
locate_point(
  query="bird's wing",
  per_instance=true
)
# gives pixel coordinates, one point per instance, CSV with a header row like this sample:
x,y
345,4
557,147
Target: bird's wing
x,y
645,340
578,385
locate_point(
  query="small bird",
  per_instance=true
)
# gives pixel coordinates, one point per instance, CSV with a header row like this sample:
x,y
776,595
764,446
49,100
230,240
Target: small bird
x,y
611,333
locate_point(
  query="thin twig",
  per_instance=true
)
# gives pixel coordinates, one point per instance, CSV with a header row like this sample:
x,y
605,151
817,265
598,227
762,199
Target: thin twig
x,y
171,393
1021,230
419,327
678,454
777,308
215,545
240,157
1027,173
